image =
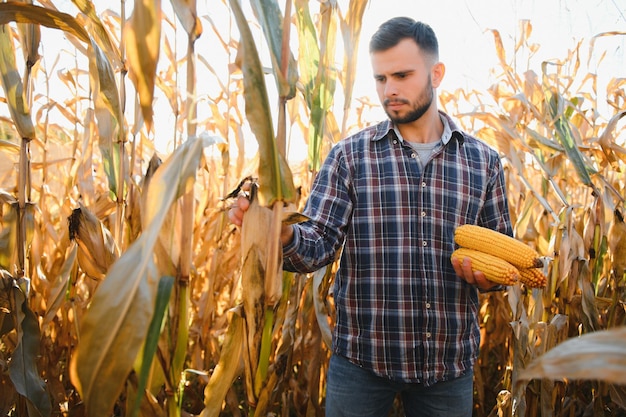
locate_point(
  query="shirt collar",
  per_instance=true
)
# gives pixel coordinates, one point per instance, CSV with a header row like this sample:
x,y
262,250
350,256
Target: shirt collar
x,y
449,127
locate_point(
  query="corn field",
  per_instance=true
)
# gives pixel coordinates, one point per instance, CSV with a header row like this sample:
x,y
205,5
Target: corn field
x,y
124,289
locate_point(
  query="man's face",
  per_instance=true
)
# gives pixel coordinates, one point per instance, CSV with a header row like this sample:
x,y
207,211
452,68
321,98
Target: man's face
x,y
404,81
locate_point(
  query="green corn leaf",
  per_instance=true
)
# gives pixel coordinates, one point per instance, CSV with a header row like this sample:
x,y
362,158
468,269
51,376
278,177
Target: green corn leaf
x,y
271,20
23,366
164,291
563,130
318,73
275,178
260,375
182,338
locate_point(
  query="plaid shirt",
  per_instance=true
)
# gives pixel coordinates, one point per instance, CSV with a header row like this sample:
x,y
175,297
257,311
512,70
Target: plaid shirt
x,y
401,309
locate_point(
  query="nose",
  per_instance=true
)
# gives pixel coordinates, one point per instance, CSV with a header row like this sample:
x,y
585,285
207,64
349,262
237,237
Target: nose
x,y
390,89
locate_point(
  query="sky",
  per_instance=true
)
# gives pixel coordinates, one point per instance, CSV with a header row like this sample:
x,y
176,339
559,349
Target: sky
x,y
466,43
462,26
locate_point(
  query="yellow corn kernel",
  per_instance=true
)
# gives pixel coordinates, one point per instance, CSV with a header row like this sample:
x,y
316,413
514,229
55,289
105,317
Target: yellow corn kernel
x,y
497,244
533,277
495,269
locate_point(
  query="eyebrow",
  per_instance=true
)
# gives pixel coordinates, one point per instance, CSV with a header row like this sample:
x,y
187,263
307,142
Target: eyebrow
x,y
395,74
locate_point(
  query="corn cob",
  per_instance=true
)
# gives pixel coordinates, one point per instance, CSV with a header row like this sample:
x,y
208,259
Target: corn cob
x,y
97,250
532,277
497,244
494,268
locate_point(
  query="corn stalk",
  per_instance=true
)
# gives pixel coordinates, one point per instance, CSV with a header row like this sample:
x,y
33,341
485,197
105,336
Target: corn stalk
x,y
23,367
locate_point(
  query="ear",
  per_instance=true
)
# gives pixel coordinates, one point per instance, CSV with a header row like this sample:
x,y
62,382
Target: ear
x,y
437,72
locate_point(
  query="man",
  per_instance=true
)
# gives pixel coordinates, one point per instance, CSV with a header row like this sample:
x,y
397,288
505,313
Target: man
x,y
391,196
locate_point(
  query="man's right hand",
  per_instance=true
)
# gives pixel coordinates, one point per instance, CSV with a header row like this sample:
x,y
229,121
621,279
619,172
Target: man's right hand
x,y
237,210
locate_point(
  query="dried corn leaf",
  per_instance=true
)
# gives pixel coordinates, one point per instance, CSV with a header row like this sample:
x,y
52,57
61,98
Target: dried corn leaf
x,y
143,41
30,37
188,16
13,87
9,147
228,366
27,13
116,324
114,327
58,291
607,139
255,234
82,170
319,301
617,244
599,356
149,407
101,36
168,246
8,234
101,76
351,32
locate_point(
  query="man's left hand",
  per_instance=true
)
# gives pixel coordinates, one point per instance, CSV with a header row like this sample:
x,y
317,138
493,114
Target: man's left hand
x,y
477,278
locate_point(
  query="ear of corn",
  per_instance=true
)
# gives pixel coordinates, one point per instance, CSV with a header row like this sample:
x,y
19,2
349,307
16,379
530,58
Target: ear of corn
x,y
533,277
497,244
97,250
495,269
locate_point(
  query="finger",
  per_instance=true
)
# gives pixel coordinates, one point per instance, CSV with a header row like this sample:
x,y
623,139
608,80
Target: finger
x,y
235,216
456,264
468,273
482,282
243,203
237,210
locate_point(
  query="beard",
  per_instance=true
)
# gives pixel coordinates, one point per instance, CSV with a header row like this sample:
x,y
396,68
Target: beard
x,y
419,107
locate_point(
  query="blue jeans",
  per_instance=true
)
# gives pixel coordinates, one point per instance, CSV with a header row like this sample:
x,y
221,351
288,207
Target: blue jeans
x,y
352,391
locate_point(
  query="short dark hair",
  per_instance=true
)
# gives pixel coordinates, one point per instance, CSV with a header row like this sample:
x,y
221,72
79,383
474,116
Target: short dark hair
x,y
390,33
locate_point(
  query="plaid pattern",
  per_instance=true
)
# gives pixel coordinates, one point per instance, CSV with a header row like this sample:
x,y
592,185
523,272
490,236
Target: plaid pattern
x,y
401,310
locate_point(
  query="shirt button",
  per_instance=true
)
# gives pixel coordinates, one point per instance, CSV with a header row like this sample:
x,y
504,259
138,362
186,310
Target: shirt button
x,y
427,305
423,213
413,155
395,142
423,184
424,243
428,335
